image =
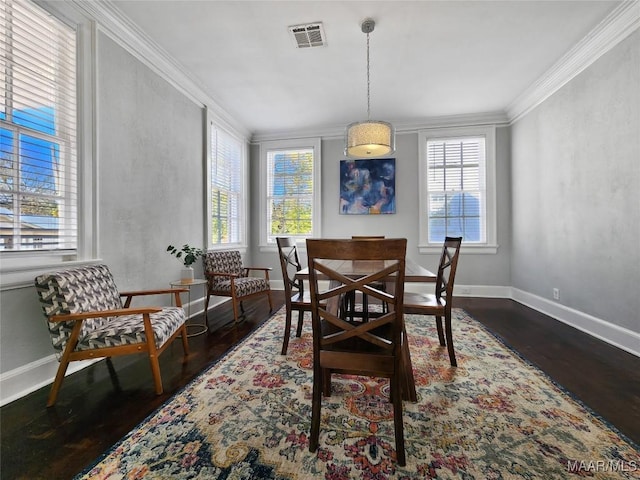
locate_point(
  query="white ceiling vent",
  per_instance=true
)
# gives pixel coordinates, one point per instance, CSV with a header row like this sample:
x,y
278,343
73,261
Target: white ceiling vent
x,y
309,35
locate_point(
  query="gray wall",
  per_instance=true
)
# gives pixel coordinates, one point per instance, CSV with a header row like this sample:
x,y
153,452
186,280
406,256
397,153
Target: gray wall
x,y
150,193
576,200
473,269
150,171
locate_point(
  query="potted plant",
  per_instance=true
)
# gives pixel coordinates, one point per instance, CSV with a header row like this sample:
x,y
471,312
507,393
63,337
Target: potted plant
x,y
188,256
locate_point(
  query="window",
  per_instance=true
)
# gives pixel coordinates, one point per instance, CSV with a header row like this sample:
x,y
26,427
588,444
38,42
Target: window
x,y
291,180
227,189
38,131
457,170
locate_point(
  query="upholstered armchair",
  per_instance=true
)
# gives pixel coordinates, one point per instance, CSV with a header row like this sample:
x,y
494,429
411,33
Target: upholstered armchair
x,y
227,277
87,319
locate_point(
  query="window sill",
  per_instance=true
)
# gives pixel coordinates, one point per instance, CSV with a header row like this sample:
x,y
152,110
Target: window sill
x,y
14,275
231,246
467,249
273,247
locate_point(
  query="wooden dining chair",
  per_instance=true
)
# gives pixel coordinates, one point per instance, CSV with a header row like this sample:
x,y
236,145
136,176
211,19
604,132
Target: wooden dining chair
x,y
373,348
296,299
440,303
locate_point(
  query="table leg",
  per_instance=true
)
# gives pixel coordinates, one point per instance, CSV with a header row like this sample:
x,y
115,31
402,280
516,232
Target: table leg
x,y
200,327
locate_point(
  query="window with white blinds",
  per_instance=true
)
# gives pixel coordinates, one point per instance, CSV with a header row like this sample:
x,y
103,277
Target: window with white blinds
x,y
38,145
457,187
292,189
227,193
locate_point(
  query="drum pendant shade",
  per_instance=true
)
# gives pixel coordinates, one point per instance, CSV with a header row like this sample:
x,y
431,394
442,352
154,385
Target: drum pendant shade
x,y
370,138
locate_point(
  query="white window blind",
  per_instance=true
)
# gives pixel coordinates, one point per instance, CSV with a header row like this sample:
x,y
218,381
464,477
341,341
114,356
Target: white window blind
x,y
456,191
38,145
290,195
226,188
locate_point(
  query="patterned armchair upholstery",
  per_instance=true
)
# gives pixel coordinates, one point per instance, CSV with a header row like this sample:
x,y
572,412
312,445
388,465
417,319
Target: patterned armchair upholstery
x,y
87,319
227,277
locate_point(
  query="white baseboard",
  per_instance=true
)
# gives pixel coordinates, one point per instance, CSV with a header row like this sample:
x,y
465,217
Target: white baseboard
x,y
485,291
620,337
26,379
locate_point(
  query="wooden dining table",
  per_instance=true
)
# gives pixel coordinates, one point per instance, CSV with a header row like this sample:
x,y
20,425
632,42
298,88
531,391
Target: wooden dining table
x,y
413,273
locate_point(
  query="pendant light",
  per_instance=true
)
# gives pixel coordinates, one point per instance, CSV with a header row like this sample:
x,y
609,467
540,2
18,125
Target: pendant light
x,y
371,138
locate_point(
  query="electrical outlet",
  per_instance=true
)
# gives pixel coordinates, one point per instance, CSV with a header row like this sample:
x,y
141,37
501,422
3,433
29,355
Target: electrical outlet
x,y
556,294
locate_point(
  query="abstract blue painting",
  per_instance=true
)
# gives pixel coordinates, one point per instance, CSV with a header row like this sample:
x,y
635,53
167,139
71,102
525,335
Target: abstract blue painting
x,y
368,186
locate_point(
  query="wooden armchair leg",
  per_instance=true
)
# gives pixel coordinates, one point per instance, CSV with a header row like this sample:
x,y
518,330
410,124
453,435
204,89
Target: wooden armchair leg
x,y
185,342
57,383
155,370
113,375
235,309
64,363
206,308
270,301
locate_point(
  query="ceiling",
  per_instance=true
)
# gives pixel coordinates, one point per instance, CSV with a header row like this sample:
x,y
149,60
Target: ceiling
x,y
429,59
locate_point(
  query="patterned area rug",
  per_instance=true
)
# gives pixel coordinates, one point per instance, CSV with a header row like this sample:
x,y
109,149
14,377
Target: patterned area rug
x,y
493,417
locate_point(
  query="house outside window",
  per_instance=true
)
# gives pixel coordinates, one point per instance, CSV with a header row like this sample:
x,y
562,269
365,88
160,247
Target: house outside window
x,y
291,185
38,131
457,188
227,189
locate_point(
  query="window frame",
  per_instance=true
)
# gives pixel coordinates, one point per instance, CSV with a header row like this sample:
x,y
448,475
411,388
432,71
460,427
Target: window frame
x,y
490,245
242,245
312,143
18,267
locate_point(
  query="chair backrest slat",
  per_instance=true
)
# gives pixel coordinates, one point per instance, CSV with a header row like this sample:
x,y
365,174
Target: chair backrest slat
x,y
289,265
447,267
382,261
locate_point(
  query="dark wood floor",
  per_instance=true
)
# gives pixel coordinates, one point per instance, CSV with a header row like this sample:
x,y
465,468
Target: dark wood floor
x,y
94,410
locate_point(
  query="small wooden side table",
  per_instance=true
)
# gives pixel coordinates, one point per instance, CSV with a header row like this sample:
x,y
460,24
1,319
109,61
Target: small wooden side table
x,y
200,327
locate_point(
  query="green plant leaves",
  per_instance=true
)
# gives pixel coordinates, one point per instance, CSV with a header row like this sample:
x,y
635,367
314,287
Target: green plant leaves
x,y
187,254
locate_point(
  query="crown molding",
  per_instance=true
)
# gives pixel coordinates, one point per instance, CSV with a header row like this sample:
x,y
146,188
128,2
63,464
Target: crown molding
x,y
618,25
111,21
327,133
468,120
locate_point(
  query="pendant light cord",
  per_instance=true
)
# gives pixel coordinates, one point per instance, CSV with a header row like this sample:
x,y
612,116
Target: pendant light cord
x,y
368,83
